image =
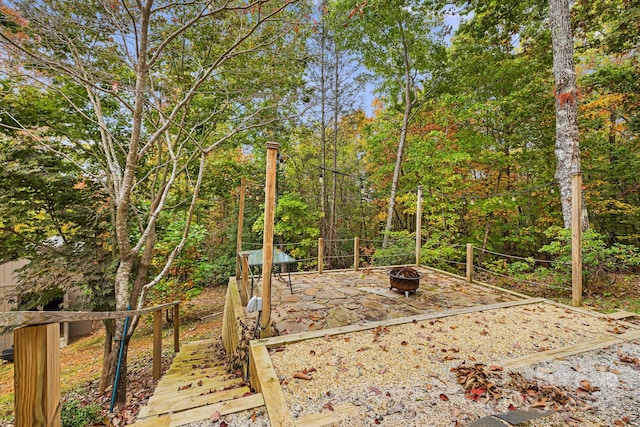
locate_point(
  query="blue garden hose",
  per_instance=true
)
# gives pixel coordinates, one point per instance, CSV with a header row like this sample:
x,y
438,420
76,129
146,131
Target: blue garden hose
x,y
114,390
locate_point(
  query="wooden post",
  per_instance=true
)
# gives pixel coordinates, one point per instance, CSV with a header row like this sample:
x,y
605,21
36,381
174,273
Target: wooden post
x,y
243,185
356,253
576,239
469,262
267,244
176,328
419,226
244,285
37,375
320,255
157,344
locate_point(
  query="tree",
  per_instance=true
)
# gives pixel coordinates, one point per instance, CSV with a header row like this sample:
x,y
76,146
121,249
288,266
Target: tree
x,y
399,43
159,85
567,139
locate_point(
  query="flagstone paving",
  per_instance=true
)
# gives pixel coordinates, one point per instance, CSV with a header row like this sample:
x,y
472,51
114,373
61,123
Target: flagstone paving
x,y
338,298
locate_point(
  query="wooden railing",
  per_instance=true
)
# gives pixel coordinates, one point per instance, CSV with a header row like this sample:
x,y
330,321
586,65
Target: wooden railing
x,y
37,356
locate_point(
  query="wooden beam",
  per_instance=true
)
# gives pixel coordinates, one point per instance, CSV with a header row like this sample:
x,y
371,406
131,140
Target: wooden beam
x,y
176,328
339,413
356,253
320,255
469,262
576,239
288,339
26,318
157,344
37,375
419,226
244,289
267,242
265,380
243,185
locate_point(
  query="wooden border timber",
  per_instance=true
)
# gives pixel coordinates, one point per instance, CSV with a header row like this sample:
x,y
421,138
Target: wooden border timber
x,y
556,353
265,380
27,318
231,321
288,339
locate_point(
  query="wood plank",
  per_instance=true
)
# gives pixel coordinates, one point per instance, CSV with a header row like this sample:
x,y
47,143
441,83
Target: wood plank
x,y
37,375
287,339
157,345
204,368
204,412
265,380
25,318
622,314
339,413
170,404
207,385
543,356
630,335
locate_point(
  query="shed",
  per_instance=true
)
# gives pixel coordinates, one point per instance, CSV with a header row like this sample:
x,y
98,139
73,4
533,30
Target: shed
x,y
8,281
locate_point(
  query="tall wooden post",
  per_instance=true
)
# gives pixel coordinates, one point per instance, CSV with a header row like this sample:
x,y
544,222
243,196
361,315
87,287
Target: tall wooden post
x,y
157,344
243,185
356,253
576,239
176,328
37,375
419,226
244,285
320,255
267,244
469,262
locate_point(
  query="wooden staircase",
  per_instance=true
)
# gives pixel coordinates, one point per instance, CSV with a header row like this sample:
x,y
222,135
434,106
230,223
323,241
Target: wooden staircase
x,y
196,387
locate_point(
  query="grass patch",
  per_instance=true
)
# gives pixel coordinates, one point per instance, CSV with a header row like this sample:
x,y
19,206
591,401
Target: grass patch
x,y
6,406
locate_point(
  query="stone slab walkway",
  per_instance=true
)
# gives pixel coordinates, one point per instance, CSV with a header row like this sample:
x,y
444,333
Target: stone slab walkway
x,y
343,297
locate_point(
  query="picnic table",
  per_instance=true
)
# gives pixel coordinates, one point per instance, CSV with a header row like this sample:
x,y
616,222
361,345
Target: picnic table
x,y
280,258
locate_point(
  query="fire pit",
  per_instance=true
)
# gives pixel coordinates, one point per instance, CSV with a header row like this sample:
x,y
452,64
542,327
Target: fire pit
x,y
404,279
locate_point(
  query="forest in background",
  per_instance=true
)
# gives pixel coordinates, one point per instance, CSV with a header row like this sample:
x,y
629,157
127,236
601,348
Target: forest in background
x,y
125,134
479,141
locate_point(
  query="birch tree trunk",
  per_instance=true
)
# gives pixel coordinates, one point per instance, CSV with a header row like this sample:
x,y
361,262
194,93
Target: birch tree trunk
x,y
408,105
567,147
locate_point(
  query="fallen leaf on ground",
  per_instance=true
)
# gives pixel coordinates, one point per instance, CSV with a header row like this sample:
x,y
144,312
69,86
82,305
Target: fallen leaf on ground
x,y
215,417
444,397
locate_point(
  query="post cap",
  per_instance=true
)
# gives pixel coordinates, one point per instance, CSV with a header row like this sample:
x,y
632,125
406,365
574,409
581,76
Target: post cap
x,y
272,145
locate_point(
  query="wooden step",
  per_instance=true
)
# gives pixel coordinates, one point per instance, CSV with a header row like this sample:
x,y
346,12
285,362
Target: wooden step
x,y
203,412
195,389
159,405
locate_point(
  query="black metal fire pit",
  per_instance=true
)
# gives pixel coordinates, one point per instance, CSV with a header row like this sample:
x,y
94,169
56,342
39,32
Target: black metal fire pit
x,y
404,279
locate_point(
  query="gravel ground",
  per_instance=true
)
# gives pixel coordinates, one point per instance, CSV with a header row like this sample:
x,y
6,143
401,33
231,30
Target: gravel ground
x,y
405,375
402,375
618,381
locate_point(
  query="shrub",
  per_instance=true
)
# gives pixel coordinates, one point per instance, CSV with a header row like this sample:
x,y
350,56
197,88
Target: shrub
x,y
75,414
600,262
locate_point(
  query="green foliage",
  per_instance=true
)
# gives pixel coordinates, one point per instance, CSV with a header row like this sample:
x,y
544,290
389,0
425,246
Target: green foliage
x,y
76,414
600,261
401,250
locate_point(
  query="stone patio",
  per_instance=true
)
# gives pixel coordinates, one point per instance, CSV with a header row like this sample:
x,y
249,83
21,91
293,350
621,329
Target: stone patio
x,y
343,297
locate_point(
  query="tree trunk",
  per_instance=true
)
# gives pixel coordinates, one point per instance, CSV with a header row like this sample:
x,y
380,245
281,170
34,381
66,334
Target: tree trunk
x,y
567,148
109,326
403,137
323,131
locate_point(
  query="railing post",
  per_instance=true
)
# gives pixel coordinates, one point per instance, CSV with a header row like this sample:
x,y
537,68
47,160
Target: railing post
x,y
419,226
320,255
157,344
576,240
37,375
469,262
267,238
243,185
356,253
244,289
176,328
